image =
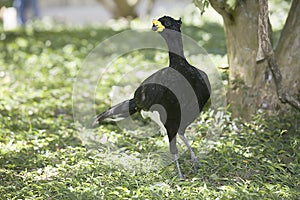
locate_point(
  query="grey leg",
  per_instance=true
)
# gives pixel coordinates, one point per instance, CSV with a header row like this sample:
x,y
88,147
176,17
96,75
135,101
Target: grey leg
x,y
174,151
177,166
193,156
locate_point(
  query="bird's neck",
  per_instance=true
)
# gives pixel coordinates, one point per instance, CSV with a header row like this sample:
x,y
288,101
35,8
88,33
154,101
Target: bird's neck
x,y
175,47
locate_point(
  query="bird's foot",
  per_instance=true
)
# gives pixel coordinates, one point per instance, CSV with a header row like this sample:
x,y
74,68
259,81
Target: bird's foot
x,y
181,177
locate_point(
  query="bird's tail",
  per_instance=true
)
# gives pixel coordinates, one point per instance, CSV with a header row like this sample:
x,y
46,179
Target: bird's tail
x,y
121,110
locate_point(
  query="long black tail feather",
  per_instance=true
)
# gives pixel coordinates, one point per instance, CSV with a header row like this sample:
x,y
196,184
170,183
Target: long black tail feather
x,y
121,110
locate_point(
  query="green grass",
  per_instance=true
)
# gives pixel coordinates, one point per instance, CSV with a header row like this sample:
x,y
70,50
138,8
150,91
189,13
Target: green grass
x,y
43,157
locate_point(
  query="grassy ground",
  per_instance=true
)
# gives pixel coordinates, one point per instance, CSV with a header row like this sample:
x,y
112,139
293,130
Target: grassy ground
x,y
43,157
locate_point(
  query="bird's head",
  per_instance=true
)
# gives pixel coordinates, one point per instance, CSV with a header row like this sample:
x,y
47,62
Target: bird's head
x,y
166,22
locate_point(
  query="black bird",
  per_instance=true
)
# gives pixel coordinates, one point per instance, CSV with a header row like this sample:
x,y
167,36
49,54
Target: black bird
x,y
178,92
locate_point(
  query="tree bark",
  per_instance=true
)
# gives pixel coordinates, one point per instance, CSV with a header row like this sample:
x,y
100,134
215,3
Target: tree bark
x,y
246,76
287,54
251,84
266,52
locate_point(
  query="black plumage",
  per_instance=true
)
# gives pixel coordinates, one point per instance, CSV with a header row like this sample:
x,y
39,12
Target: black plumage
x,y
178,92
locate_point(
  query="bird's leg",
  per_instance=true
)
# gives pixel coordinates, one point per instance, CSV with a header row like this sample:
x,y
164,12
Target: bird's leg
x,y
174,151
177,166
193,156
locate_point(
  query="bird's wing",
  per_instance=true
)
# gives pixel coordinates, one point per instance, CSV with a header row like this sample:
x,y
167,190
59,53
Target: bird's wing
x,y
157,89
205,81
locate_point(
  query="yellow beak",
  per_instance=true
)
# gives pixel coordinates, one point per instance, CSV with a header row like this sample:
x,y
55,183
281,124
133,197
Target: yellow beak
x,y
157,26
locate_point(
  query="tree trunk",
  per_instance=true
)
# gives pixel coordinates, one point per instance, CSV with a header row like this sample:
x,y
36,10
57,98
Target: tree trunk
x,y
251,84
288,51
246,77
